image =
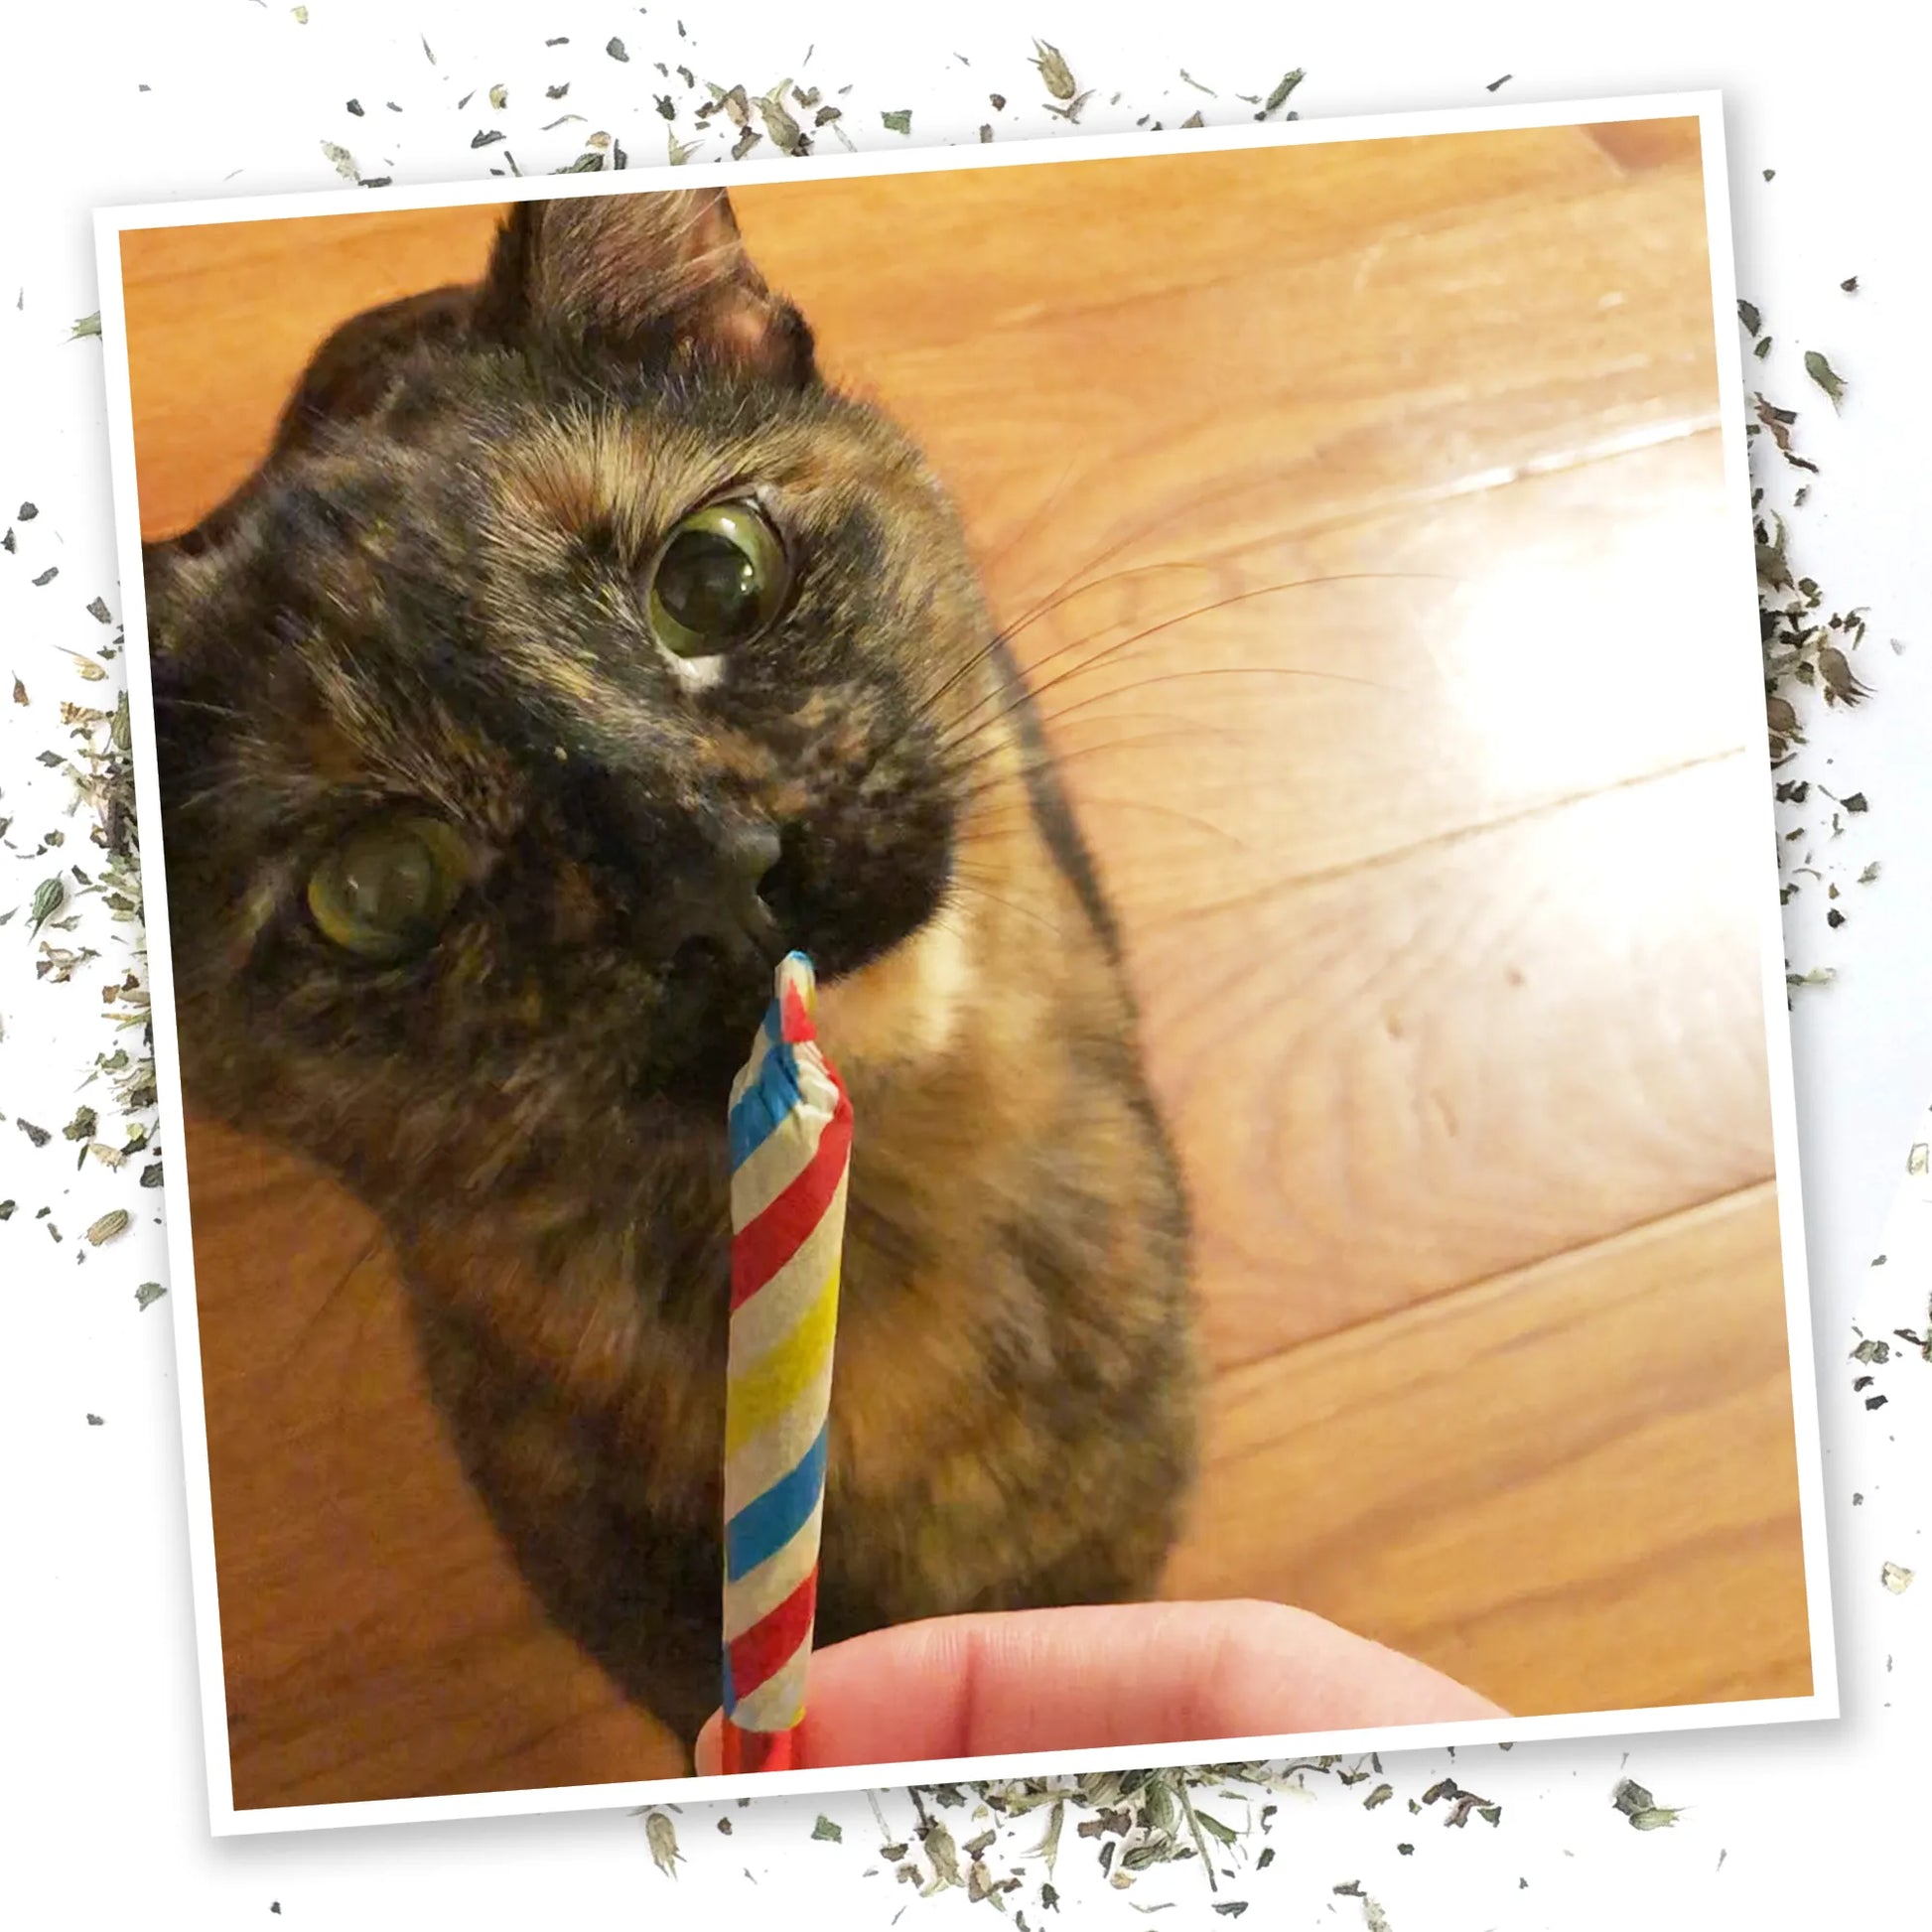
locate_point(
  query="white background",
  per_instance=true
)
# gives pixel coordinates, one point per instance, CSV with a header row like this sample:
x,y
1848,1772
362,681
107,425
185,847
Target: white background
x,y
102,1775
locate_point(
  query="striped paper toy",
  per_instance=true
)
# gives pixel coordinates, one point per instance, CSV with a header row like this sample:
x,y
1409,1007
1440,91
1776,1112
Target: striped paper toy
x,y
790,1150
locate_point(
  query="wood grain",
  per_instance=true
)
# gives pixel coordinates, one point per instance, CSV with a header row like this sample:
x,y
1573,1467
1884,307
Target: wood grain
x,y
1359,514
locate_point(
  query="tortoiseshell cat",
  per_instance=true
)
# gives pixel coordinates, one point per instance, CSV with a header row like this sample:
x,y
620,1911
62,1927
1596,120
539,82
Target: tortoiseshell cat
x,y
576,650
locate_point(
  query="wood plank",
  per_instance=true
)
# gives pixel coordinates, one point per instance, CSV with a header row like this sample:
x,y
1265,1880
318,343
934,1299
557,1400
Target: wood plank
x,y
1284,708
1387,368
1573,1487
1399,1079
1636,146
220,320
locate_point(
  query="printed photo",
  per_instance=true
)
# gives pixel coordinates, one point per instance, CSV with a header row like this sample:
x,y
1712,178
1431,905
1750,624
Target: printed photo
x,y
983,947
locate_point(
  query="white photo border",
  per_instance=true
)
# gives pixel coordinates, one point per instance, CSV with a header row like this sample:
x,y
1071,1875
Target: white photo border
x,y
110,224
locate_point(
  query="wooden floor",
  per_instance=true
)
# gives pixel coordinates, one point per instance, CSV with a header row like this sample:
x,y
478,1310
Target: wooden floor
x,y
1430,868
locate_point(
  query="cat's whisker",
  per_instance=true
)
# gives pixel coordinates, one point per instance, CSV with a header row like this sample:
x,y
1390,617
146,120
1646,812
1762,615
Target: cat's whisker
x,y
964,881
1037,689
1024,763
1055,601
1031,523
227,711
1194,501
1022,807
978,744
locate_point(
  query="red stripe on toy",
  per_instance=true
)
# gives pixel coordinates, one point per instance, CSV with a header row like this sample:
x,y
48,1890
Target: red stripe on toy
x,y
763,1245
760,1653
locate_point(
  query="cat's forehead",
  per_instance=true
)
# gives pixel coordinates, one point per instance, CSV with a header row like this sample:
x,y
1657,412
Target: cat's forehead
x,y
634,470
450,612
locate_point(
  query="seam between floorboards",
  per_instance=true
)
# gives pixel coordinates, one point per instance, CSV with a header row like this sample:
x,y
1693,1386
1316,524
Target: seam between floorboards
x,y
1500,1276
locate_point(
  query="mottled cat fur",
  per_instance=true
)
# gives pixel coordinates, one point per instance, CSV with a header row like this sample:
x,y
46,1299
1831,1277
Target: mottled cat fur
x,y
428,593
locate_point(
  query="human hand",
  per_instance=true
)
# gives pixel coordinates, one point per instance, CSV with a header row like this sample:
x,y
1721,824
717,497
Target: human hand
x,y
1115,1676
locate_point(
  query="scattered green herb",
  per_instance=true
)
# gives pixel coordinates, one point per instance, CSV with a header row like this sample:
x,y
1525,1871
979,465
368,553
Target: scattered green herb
x,y
113,1222
1640,1807
49,896
662,1836
1826,378
899,120
1285,87
1053,71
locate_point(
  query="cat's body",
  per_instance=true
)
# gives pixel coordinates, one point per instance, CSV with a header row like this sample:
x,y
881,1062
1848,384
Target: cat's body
x,y
434,622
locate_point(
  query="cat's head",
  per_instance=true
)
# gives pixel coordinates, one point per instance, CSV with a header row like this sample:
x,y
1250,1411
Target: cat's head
x,y
575,652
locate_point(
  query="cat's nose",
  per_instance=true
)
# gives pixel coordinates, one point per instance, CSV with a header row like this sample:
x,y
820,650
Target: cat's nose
x,y
746,853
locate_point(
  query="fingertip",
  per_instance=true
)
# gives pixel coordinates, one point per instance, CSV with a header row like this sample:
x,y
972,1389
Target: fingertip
x,y
707,1755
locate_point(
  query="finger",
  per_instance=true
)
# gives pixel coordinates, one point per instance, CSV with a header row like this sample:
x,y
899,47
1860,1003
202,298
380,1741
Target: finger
x,y
1124,1674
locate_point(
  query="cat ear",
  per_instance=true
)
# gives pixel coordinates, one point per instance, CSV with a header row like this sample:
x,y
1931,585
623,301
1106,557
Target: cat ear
x,y
351,373
639,276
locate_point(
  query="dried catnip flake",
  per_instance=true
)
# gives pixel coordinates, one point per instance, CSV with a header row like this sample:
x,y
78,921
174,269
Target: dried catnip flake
x,y
1826,378
1053,71
825,1828
1285,87
1896,1577
113,1222
662,1836
898,120
49,896
86,326
148,1294
342,161
615,48
785,133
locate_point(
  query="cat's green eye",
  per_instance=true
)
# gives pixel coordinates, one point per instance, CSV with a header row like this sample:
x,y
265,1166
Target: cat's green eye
x,y
385,891
719,581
